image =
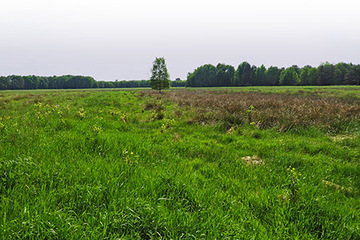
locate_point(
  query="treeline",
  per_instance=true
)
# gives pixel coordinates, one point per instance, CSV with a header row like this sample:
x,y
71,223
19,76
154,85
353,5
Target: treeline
x,y
135,84
246,75
207,76
14,82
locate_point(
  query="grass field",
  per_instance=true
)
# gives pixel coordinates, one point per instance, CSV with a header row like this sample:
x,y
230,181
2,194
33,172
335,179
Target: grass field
x,y
224,163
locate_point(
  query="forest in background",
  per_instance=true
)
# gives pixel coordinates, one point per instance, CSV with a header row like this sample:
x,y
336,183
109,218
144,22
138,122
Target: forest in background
x,y
16,82
246,75
206,76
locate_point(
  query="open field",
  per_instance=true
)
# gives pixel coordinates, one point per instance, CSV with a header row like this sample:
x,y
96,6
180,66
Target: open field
x,y
224,163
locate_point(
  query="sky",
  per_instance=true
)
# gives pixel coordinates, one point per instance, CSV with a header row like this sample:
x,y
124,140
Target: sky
x,y
119,39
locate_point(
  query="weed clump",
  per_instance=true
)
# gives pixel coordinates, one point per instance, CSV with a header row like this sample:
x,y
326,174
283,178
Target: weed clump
x,y
337,186
158,109
254,160
294,177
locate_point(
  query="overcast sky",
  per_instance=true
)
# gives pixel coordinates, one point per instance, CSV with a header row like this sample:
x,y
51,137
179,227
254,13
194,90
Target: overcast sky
x,y
119,39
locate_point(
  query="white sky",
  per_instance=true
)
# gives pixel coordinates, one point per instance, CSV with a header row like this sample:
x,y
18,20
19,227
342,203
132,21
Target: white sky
x,y
119,39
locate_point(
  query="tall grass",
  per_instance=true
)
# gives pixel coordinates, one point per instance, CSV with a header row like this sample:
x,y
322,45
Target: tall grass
x,y
105,165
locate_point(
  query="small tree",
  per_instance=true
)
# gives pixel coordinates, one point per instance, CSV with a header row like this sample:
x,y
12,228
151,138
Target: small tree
x,y
159,75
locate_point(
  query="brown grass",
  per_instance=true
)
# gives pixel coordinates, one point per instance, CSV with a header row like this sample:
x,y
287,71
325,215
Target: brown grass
x,y
24,96
282,111
152,105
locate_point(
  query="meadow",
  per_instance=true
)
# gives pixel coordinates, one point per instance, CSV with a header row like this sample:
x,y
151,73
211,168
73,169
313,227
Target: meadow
x,y
198,163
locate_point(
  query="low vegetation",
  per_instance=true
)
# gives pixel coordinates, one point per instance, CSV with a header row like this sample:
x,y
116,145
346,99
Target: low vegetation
x,y
236,163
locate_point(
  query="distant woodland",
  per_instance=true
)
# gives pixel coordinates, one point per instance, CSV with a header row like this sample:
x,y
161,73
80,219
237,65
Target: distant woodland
x,y
13,82
207,76
246,75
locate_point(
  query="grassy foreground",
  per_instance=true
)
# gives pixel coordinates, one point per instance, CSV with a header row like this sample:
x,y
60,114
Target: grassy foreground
x,y
181,165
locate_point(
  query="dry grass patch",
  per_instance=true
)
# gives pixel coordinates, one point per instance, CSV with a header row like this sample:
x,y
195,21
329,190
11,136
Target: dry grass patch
x,y
282,111
231,130
155,106
340,138
177,138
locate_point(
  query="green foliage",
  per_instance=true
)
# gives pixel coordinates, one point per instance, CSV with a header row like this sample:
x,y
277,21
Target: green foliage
x,y
289,77
272,76
202,76
243,74
314,76
4,83
250,113
305,76
294,178
260,76
247,75
178,83
353,76
326,74
159,75
224,75
35,82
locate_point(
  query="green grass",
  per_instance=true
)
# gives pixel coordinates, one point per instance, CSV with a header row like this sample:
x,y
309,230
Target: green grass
x,y
329,91
128,165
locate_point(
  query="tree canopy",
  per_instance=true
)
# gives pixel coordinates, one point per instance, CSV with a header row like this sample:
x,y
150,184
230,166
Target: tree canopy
x,y
247,75
159,75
